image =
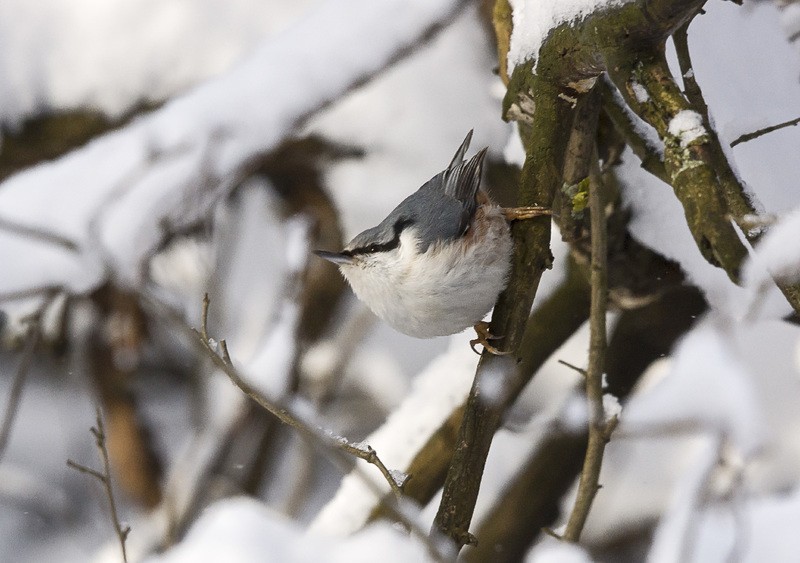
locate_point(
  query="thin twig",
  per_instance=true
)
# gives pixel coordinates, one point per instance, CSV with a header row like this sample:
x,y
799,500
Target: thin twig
x,y
88,470
32,339
105,478
338,449
204,318
223,362
756,134
573,367
599,429
37,233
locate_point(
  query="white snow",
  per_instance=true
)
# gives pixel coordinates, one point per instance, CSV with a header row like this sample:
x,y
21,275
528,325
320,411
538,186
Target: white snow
x,y
640,92
551,550
777,254
514,151
707,388
674,530
534,19
575,413
753,529
494,380
169,166
436,392
729,378
790,19
57,55
611,406
243,530
687,125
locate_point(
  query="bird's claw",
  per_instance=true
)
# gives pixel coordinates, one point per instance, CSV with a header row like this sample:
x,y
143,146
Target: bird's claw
x,y
484,336
521,213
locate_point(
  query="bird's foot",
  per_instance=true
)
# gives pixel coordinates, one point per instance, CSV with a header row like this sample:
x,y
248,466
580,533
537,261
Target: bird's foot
x,y
521,213
484,336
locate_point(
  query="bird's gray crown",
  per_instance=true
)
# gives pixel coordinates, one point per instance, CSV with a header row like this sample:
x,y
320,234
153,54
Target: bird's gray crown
x,y
440,210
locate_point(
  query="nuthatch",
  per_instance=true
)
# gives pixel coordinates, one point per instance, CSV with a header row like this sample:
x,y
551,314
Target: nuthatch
x,y
439,260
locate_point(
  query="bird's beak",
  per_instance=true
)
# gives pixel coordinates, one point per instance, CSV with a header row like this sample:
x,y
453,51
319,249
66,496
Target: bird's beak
x,y
335,257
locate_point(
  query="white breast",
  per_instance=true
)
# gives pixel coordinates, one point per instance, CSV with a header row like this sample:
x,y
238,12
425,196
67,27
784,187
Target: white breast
x,y
443,291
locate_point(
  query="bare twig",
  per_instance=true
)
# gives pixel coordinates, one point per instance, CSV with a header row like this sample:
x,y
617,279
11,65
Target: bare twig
x,y
32,338
756,134
222,361
599,429
105,478
338,449
573,367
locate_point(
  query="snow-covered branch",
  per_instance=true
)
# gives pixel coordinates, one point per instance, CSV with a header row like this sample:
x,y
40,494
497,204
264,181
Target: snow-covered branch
x,y
165,171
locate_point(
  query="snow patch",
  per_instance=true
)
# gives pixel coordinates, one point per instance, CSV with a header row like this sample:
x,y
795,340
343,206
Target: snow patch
x,y
245,530
611,406
707,387
640,93
778,254
436,392
687,125
550,550
514,151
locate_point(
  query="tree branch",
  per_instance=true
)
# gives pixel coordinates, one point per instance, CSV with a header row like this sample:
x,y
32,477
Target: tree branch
x,y
222,360
651,92
566,67
599,428
531,500
541,177
33,337
38,234
549,326
760,132
741,203
625,122
338,449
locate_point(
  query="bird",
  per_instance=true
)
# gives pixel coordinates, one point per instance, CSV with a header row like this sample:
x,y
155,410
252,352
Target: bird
x,y
438,262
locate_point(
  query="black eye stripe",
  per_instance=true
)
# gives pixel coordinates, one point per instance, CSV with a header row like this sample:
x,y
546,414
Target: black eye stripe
x,y
382,247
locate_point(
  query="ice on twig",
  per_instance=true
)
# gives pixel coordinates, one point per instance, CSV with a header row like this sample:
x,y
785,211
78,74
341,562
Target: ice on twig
x,y
399,477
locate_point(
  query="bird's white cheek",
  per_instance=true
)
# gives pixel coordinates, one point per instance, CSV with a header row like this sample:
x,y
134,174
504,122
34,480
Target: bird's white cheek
x,y
369,280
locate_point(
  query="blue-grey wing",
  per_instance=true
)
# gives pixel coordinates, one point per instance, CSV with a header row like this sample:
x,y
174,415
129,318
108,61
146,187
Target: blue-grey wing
x,y
433,215
463,181
458,158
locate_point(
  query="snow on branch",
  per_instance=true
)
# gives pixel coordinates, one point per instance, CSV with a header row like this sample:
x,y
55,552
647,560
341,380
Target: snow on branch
x,y
164,172
533,22
440,389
